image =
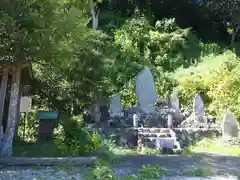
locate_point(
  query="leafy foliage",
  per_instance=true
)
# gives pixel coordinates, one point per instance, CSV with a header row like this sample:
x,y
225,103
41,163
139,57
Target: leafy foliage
x,y
73,64
218,78
200,172
77,140
163,47
102,172
28,127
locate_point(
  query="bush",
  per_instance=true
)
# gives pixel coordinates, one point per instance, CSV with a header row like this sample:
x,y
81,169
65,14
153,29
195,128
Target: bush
x,y
199,172
76,139
30,131
102,172
217,77
105,172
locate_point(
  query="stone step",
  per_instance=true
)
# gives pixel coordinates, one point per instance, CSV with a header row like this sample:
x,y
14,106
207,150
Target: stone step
x,y
154,135
153,130
154,142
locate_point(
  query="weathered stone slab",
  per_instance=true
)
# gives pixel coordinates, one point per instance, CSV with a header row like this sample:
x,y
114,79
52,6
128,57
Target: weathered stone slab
x,y
230,126
198,108
175,107
165,143
116,107
146,90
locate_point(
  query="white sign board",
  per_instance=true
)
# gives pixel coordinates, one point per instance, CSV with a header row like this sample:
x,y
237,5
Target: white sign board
x,y
25,104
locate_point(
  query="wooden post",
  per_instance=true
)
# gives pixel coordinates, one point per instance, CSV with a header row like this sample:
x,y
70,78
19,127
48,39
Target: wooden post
x,y
3,93
2,100
6,149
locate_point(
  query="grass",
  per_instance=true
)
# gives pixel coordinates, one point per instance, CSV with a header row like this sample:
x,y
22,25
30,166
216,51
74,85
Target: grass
x,y
211,145
48,148
45,148
199,172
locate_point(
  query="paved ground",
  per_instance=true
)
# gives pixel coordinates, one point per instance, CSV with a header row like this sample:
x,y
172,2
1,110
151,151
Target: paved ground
x,y
223,167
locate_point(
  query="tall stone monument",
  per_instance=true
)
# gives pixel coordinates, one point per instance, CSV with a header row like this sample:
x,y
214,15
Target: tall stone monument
x,y
146,90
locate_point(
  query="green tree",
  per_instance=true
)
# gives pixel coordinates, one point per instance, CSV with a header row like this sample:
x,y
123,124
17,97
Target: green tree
x,y
229,13
55,38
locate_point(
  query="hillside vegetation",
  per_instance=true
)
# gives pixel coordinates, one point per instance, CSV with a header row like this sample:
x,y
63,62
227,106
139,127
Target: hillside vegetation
x,y
82,52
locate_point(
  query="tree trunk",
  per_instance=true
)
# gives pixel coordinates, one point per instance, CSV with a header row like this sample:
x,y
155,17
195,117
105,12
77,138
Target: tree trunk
x,y
2,101
235,31
95,11
6,149
95,14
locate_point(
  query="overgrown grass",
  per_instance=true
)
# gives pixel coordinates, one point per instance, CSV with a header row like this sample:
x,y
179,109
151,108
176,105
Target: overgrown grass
x,y
199,172
49,148
213,146
45,148
148,172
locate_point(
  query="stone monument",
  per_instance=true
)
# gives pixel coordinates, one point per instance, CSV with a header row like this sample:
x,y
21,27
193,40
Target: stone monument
x,y
230,126
198,108
116,109
146,91
175,107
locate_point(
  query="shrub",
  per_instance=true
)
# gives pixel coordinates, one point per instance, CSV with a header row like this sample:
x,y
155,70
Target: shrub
x,y
102,172
199,172
30,131
217,76
105,172
151,172
76,139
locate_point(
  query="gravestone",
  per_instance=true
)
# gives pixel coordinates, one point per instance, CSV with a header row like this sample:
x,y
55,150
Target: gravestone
x,y
116,109
230,126
175,107
198,108
146,91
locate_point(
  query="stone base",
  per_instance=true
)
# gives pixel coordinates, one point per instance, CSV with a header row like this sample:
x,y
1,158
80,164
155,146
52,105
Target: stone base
x,y
147,137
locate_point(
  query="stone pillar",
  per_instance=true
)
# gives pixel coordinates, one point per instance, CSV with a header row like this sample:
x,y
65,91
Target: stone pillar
x,y
170,120
135,120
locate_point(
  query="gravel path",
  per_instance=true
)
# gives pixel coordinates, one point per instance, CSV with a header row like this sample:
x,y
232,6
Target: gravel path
x,y
224,168
50,173
178,165
39,173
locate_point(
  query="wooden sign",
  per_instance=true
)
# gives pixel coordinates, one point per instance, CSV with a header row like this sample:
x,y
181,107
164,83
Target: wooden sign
x,y
25,104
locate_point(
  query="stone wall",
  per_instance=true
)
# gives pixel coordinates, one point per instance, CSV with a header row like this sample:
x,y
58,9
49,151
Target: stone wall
x,y
132,137
189,136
